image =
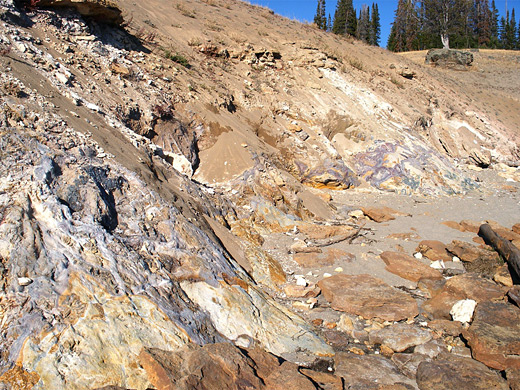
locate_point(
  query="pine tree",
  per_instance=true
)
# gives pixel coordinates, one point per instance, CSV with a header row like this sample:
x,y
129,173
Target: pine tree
x,y
513,31
345,19
375,26
363,24
323,17
405,27
502,31
329,24
319,18
483,23
494,26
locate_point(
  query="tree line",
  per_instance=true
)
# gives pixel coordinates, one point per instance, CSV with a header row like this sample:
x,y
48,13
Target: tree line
x,y
366,26
424,24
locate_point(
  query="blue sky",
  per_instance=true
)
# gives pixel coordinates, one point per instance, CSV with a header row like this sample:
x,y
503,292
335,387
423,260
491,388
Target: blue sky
x,y
304,10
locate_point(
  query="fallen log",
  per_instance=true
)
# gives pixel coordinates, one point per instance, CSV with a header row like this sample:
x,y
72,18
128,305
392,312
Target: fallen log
x,y
504,247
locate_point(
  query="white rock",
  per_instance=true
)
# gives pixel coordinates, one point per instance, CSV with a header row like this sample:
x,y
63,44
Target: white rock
x,y
455,259
438,264
327,275
300,281
418,255
338,269
24,281
463,310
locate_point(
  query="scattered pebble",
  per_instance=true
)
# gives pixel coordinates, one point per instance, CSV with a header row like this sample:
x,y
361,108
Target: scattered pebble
x,y
418,255
338,269
327,275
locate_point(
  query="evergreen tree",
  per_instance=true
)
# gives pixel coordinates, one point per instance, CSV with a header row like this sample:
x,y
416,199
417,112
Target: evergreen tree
x,y
345,20
494,26
363,24
375,26
513,31
319,18
483,23
405,27
329,24
502,31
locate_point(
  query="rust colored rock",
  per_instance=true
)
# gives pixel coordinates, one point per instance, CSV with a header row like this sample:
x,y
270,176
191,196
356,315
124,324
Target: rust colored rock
x,y
18,378
494,335
445,327
458,373
368,297
431,286
381,214
468,252
294,291
188,368
325,380
366,370
287,377
408,267
433,250
400,336
516,228
465,286
470,226
514,294
454,225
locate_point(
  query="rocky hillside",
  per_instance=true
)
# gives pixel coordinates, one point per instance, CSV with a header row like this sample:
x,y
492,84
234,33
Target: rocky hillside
x,y
195,195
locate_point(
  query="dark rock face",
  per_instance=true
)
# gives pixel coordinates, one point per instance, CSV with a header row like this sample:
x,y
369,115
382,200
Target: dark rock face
x,y
449,58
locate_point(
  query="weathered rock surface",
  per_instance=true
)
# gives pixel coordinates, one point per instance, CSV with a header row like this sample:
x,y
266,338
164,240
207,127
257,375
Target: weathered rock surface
x,y
368,370
400,336
457,373
368,297
408,267
102,10
494,335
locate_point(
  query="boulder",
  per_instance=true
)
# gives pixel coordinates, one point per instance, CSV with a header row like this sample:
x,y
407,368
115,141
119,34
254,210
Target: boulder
x,y
494,335
449,58
368,297
408,267
459,373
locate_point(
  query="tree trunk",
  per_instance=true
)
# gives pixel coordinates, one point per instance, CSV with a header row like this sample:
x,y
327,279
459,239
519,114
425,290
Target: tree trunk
x,y
445,41
504,247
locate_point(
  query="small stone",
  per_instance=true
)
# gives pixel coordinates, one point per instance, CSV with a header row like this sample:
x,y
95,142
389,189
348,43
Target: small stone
x,y
418,255
300,281
462,311
327,275
23,281
338,269
438,264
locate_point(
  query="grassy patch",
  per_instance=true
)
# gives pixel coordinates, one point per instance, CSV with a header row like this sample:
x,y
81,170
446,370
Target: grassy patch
x,y
178,58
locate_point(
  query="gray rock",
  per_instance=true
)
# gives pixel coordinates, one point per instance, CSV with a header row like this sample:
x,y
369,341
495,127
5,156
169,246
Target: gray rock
x,y
449,58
